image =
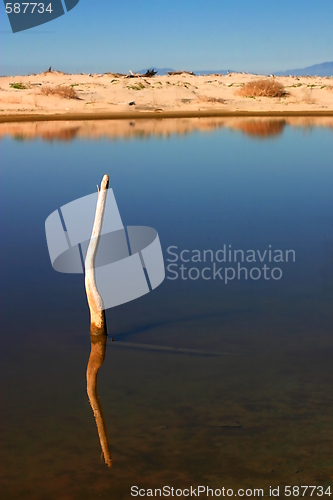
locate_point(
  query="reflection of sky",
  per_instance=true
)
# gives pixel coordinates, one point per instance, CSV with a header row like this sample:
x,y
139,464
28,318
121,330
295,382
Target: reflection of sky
x,y
198,191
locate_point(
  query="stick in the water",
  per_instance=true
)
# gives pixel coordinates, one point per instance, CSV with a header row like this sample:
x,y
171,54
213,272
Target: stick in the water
x,y
97,313
98,330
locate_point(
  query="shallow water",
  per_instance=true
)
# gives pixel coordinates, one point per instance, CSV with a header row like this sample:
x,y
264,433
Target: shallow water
x,y
259,412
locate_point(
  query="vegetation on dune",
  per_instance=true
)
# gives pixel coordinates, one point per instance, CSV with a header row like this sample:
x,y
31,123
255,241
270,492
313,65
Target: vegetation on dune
x,y
18,86
64,91
263,88
213,99
150,72
137,86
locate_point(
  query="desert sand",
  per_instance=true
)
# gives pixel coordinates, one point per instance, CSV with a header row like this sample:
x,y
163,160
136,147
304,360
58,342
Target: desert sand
x,y
125,96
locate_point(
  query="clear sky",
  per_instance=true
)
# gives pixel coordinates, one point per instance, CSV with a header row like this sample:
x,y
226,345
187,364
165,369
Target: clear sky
x,y
103,35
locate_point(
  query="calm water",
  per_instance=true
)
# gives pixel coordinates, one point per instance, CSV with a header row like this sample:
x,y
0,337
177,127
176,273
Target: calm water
x,y
259,412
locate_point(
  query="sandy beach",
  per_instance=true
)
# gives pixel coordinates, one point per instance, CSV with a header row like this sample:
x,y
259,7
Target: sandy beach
x,y
98,96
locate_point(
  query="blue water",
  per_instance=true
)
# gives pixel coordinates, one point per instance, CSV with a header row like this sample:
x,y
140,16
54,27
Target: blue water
x,y
199,191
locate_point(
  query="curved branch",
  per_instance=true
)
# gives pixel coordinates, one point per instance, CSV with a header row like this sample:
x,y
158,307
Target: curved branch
x,y
98,330
95,301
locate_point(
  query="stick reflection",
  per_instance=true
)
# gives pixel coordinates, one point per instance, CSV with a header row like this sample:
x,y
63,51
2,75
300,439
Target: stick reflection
x,y
96,359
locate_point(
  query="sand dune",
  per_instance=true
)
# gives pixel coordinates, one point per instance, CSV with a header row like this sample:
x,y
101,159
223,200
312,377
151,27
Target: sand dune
x,y
108,94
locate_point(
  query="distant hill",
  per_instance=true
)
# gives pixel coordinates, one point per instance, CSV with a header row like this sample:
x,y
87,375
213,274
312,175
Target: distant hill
x,y
164,71
323,69
213,71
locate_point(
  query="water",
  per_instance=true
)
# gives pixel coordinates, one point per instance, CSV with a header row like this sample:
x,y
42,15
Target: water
x,y
259,413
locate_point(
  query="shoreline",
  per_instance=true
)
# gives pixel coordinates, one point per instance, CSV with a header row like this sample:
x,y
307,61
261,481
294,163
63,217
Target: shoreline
x,y
156,115
55,96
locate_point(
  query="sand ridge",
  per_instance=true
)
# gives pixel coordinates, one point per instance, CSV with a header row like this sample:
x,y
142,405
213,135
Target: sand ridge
x,y
180,95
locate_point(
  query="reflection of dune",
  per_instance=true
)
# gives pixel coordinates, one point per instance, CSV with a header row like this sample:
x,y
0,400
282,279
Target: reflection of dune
x,y
262,128
46,131
144,128
65,134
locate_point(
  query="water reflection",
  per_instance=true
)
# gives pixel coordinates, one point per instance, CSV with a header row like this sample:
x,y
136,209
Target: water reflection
x,y
262,128
96,359
143,128
169,413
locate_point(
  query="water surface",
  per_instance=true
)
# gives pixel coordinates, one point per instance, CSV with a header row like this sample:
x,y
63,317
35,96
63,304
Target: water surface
x,y
259,414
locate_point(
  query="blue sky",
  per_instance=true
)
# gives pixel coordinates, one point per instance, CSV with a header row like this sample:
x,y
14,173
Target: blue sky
x,y
102,35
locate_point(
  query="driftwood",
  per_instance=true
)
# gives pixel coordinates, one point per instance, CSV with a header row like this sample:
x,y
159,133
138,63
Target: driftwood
x,y
133,75
98,329
148,74
95,301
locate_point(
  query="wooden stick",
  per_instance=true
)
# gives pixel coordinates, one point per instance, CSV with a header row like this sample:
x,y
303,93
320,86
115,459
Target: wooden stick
x,y
98,329
95,301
